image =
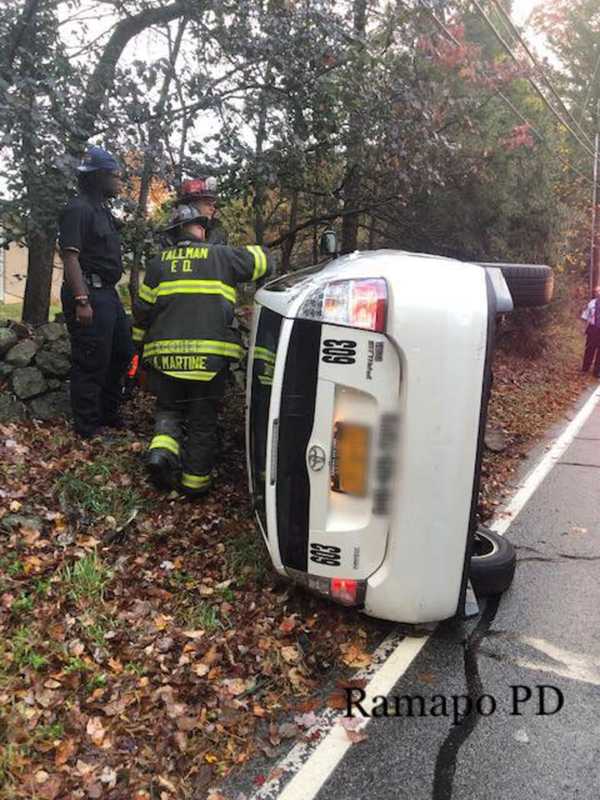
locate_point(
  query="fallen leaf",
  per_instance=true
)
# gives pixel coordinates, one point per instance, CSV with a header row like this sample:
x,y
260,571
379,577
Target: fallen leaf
x,y
161,621
288,730
290,654
306,720
83,768
50,789
195,635
167,784
354,656
356,736
187,723
64,752
95,730
29,535
337,700
108,776
287,625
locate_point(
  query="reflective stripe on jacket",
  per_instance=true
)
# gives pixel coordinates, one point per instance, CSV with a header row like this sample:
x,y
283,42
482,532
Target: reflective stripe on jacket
x,y
184,312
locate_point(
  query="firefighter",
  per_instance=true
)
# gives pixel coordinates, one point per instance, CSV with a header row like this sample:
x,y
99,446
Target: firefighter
x,y
185,309
202,193
101,343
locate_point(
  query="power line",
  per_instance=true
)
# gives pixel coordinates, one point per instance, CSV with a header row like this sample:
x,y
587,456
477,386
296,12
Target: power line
x,y
542,96
512,29
512,106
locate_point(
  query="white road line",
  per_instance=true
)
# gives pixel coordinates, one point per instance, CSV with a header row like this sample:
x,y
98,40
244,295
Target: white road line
x,y
507,515
312,768
313,765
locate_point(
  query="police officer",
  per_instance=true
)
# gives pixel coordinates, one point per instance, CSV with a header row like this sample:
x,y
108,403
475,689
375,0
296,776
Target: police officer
x,y
202,194
185,307
101,343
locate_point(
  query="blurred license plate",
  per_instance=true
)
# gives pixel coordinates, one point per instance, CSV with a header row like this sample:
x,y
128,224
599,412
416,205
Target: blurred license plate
x,y
350,458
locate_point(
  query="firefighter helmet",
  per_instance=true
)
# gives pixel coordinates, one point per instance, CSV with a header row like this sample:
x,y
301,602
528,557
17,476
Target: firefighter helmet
x,y
185,215
197,188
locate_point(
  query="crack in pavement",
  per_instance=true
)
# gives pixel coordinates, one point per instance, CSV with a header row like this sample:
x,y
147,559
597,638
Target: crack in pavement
x,y
445,765
576,464
561,557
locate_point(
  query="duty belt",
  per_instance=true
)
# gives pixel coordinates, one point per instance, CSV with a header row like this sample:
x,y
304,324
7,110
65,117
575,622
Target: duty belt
x,y
95,281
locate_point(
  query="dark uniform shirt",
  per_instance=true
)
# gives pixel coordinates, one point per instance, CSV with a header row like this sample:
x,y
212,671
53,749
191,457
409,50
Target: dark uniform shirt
x,y
87,227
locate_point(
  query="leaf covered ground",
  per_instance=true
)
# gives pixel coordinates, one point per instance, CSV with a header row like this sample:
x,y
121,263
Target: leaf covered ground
x,y
146,648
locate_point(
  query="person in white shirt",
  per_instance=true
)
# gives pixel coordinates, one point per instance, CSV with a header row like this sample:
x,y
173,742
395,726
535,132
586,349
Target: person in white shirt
x,y
591,317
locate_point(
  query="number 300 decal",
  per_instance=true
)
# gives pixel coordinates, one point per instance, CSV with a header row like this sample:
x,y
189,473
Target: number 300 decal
x,y
339,351
325,554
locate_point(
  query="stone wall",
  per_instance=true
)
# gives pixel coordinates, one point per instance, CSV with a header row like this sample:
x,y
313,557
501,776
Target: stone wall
x,y
34,371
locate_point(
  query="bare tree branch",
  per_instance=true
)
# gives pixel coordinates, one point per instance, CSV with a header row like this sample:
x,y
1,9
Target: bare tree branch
x,y
103,75
327,218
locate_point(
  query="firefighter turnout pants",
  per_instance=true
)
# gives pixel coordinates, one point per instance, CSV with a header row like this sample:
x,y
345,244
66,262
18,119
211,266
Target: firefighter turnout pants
x,y
184,444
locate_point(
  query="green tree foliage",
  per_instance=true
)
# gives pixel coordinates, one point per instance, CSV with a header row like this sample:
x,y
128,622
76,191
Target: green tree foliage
x,y
407,125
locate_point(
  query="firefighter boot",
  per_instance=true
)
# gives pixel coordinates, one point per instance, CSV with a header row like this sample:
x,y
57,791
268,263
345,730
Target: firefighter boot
x,y
162,459
164,468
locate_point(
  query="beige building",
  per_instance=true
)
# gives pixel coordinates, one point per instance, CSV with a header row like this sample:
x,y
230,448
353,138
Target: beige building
x,y
13,273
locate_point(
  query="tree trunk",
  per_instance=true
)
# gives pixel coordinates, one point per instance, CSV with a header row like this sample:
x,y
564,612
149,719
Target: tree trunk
x,y
148,166
40,264
41,229
259,184
288,245
355,144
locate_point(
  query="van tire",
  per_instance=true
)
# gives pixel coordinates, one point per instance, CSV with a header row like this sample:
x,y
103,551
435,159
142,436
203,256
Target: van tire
x,y
530,285
493,561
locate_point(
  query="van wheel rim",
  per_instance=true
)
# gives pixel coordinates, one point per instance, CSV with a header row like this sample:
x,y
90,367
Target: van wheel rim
x,y
483,546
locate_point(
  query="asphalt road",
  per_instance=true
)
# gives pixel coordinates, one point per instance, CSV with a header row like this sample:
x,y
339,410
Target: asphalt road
x,y
545,631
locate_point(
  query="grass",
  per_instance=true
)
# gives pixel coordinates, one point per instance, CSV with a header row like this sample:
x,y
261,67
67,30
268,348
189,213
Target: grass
x,y
23,652
13,311
10,757
76,664
91,489
96,631
201,615
23,604
56,730
86,579
247,557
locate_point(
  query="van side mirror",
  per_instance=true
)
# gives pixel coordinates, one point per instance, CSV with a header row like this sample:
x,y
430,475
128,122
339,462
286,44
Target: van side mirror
x,y
328,243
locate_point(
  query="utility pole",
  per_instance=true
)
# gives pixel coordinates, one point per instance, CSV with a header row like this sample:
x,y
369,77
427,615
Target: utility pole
x,y
594,252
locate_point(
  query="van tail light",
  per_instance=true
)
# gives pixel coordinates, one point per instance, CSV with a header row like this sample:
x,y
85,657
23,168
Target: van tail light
x,y
344,590
358,303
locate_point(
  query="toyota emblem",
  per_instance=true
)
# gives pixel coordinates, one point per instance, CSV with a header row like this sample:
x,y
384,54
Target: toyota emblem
x,y
316,458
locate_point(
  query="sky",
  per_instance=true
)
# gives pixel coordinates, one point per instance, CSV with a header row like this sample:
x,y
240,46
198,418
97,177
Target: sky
x,y
522,9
